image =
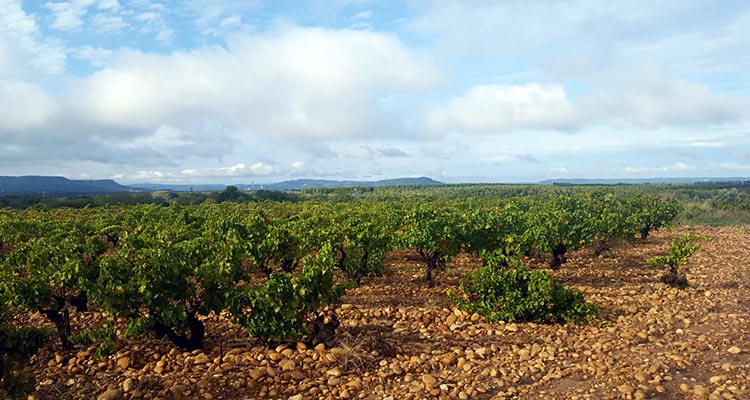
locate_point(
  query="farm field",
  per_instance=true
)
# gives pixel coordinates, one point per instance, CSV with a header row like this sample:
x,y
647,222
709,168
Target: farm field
x,y
400,339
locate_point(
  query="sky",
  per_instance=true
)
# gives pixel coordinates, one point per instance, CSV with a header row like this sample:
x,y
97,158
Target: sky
x,y
252,91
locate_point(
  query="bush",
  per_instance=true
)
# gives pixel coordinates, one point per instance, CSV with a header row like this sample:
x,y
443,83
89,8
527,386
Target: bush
x,y
517,294
281,309
678,255
16,346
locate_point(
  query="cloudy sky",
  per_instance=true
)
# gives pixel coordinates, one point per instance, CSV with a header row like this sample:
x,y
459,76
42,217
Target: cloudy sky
x,y
245,91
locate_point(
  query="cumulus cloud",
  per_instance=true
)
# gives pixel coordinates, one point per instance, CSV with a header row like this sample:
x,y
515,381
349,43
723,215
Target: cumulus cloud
x,y
676,167
108,24
96,56
297,82
733,167
68,15
525,158
236,170
24,106
504,108
24,51
649,97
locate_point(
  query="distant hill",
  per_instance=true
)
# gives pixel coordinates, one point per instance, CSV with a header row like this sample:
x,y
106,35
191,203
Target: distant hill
x,y
59,186
636,181
299,184
180,188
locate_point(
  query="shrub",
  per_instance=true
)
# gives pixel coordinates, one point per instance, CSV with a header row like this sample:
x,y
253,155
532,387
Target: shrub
x,y
678,255
517,294
281,308
16,346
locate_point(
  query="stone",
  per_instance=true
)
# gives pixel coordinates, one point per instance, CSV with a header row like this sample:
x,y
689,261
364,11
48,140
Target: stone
x,y
257,373
110,394
127,385
734,350
201,359
178,391
448,360
123,362
429,381
626,389
287,365
700,391
642,377
334,372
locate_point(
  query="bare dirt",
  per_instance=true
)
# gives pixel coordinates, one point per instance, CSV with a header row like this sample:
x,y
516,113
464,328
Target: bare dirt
x,y
400,339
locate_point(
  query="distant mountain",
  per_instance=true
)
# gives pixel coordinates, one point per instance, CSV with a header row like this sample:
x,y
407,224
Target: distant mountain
x,y
299,184
180,188
636,181
59,186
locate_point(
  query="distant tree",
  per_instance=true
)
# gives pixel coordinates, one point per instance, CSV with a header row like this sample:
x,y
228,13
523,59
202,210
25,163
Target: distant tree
x,y
231,194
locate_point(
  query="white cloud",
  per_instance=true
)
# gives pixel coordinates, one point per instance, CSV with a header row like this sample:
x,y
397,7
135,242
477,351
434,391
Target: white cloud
x,y
108,24
152,21
163,138
713,145
732,167
23,50
113,5
68,15
363,15
648,97
14,19
504,108
97,57
218,17
24,106
298,82
676,167
236,170
148,175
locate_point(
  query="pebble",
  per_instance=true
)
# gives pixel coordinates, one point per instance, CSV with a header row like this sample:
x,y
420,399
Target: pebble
x,y
429,381
127,385
734,350
700,391
111,394
123,362
201,359
627,389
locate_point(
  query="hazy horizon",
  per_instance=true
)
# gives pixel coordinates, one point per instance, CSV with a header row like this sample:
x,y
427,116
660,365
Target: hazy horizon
x,y
233,91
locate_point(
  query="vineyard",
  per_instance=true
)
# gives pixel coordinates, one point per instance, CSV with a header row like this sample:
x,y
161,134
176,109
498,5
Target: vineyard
x,y
410,298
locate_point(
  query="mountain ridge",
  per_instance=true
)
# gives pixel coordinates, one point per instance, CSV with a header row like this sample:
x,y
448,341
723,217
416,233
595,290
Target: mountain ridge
x,y
58,185
61,186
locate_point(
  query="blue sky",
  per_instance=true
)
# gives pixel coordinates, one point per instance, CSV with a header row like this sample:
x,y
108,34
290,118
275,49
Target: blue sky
x,y
237,91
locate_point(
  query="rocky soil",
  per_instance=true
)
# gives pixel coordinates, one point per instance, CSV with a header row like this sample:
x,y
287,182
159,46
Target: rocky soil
x,y
400,339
